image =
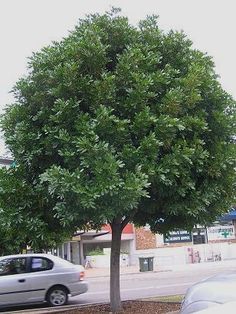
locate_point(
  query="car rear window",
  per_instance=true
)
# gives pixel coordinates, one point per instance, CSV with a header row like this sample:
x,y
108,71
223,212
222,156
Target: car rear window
x,y
41,264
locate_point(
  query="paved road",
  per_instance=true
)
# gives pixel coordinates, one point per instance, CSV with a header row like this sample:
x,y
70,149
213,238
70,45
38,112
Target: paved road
x,y
151,284
141,285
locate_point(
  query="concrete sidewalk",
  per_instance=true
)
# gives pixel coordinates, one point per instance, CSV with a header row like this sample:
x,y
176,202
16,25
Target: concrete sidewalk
x,y
221,265
105,272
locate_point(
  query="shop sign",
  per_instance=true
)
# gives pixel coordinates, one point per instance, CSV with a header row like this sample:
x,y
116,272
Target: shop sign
x,y
220,233
178,237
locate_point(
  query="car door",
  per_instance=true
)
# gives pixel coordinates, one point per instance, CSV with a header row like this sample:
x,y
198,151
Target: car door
x,y
14,286
40,277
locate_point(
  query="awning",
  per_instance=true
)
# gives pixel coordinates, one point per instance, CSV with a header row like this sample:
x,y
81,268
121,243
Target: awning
x,y
90,234
230,216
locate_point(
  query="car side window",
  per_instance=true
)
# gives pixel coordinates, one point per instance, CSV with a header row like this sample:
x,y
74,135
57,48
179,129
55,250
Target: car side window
x,y
12,266
41,264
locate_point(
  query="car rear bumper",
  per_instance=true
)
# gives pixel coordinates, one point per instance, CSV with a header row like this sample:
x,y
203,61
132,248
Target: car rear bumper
x,y
79,287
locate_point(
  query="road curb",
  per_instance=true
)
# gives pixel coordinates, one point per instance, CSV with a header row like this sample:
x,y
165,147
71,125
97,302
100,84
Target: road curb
x,y
53,309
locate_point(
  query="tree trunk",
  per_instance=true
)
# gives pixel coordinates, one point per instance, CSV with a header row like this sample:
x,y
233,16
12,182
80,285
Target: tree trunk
x,y
115,266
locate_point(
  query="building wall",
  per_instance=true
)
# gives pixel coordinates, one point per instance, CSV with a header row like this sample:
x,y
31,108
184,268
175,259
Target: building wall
x,y
142,242
145,239
168,257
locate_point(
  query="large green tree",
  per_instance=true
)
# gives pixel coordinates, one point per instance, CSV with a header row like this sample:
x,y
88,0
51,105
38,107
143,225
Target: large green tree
x,y
118,124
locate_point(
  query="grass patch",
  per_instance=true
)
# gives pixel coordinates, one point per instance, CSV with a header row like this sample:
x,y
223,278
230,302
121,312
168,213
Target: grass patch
x,y
167,298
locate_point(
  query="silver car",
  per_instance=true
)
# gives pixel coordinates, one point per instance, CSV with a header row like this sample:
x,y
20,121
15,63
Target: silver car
x,y
36,278
210,292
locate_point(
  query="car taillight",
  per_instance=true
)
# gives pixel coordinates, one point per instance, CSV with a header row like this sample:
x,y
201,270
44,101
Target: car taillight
x,y
81,275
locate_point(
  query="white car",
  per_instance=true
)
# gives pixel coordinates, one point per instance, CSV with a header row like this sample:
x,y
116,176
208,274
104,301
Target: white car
x,y
36,278
209,293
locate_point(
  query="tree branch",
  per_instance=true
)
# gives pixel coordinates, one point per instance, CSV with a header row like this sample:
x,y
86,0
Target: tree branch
x,y
125,222
127,219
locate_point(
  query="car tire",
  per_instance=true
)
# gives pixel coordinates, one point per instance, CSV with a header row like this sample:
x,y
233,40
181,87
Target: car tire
x,y
57,296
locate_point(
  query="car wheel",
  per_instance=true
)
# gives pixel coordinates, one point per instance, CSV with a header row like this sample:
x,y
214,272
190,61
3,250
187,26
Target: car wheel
x,y
57,296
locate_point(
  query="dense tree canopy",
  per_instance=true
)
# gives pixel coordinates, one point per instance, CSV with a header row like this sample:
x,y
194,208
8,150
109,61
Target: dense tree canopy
x,y
117,123
25,220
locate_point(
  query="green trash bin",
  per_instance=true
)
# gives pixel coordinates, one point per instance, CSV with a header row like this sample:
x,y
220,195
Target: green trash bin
x,y
150,263
145,264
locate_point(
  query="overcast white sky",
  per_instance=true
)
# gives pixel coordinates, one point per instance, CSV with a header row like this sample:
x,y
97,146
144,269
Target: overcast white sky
x,y
28,25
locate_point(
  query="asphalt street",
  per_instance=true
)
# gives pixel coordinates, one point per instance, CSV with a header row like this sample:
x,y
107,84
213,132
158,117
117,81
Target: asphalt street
x,y
147,284
151,284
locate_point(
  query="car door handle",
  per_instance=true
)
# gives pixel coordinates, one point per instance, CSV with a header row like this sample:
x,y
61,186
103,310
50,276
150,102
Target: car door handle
x,y
21,280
